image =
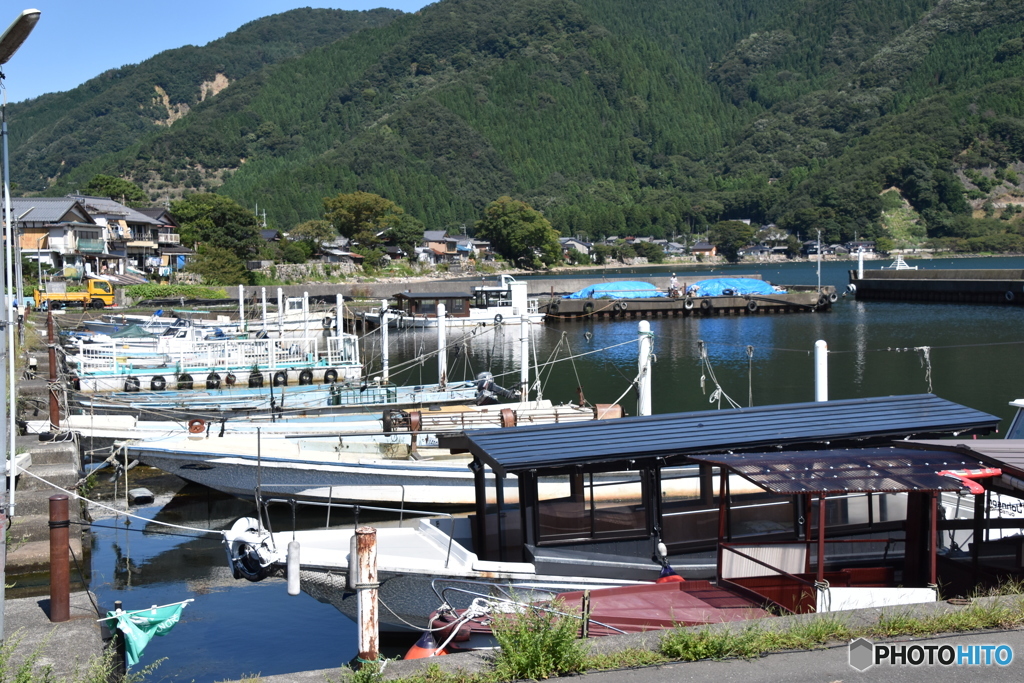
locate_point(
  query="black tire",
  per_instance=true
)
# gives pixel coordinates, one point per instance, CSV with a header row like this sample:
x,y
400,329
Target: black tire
x,y
255,380
1009,296
588,308
280,378
553,308
833,297
619,305
752,306
498,319
306,377
331,376
705,304
98,304
688,303
328,323
230,379
185,382
132,384
822,300
158,383
213,381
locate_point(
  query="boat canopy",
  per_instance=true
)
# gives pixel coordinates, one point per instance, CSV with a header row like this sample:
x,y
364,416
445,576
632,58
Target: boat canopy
x,y
673,437
131,332
732,286
622,289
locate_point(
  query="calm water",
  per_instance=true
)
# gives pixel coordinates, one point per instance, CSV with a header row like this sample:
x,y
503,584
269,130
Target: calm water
x,y
974,357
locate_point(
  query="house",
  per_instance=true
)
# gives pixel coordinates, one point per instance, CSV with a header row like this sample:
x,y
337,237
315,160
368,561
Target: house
x,y
674,249
173,256
444,248
61,234
569,243
270,235
705,249
867,246
331,255
757,252
128,232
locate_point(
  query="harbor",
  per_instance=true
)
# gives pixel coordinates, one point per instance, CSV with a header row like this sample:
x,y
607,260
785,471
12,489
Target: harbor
x,y
876,349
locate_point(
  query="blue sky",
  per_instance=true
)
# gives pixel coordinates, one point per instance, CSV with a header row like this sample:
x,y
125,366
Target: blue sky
x,y
78,39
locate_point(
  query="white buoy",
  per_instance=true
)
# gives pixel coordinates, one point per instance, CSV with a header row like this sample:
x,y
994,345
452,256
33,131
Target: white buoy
x,y
293,568
820,370
442,349
644,366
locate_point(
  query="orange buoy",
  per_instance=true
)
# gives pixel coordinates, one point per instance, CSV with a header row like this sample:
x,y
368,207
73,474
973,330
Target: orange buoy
x,y
425,647
669,575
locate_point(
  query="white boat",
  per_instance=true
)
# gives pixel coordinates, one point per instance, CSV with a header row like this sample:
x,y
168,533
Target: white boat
x,y
394,461
504,303
899,264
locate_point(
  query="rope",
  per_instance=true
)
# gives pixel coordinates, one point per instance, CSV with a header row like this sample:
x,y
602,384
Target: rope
x,y
719,393
926,362
750,376
120,512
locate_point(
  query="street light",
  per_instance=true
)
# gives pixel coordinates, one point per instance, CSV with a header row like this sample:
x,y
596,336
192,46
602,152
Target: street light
x,y
10,41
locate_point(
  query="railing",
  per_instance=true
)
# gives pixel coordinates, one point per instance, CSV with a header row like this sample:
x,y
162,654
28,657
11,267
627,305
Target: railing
x,y
168,238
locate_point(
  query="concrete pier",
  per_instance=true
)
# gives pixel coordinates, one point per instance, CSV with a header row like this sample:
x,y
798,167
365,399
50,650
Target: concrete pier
x,y
1003,287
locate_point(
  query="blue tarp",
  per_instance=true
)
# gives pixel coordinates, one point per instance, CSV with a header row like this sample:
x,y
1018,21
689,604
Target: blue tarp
x,y
731,286
623,289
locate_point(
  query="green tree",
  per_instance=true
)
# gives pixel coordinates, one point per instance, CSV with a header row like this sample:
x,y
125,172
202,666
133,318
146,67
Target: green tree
x,y
406,233
730,237
316,232
118,189
220,266
360,213
518,232
217,221
651,251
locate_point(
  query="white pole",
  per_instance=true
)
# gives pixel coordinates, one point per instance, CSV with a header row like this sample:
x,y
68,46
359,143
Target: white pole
x,y
860,264
305,316
384,341
280,313
820,370
339,315
524,357
442,349
364,556
819,261
241,308
263,295
644,365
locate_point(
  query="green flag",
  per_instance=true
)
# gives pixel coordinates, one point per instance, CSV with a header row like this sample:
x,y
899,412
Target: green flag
x,y
138,628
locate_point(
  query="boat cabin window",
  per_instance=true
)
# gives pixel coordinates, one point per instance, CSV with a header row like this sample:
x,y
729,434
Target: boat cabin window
x,y
457,306
1016,430
294,304
426,307
602,505
492,299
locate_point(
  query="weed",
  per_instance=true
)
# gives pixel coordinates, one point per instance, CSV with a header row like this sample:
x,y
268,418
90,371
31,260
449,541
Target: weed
x,y
538,643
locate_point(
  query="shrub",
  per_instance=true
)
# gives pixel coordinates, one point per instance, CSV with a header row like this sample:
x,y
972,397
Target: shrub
x,y
150,291
538,643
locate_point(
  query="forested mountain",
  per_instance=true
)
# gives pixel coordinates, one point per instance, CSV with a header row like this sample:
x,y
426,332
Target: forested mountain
x,y
648,118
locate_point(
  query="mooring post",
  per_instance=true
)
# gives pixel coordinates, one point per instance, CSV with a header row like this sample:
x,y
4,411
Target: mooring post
x,y
384,351
644,384
60,569
820,370
364,556
442,349
52,346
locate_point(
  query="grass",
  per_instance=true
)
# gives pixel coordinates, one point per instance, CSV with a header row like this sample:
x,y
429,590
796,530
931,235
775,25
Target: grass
x,y
101,668
538,645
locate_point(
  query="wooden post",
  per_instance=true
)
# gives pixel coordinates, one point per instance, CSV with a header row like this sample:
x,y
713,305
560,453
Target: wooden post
x,y
60,569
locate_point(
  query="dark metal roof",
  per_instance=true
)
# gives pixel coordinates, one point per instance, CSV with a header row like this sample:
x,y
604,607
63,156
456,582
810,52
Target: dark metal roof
x,y
837,423
847,470
433,295
1007,454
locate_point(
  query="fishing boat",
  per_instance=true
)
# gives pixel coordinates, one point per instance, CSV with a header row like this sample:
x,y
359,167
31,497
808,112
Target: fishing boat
x,y
505,303
395,460
594,506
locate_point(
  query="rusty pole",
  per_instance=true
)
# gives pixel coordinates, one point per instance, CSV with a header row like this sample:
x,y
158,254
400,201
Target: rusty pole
x,y
365,541
51,344
60,569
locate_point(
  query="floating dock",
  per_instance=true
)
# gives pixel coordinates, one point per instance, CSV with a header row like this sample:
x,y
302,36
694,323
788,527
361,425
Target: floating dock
x,y
797,299
982,286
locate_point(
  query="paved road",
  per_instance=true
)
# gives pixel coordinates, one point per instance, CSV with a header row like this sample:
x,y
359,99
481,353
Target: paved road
x,y
830,666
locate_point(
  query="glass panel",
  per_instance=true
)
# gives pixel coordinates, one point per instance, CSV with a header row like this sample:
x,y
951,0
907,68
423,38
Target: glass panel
x,y
591,506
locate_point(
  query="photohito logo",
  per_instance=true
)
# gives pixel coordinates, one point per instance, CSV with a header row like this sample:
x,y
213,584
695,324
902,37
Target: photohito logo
x,y
864,654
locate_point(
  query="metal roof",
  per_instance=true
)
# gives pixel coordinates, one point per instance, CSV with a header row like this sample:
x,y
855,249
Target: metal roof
x,y
433,295
105,206
44,209
847,470
837,423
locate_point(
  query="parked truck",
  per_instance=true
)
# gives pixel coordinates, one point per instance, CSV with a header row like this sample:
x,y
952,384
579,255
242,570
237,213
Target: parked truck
x,y
98,293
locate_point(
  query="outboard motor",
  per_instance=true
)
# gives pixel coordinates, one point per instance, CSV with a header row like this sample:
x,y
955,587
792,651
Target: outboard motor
x,y
487,392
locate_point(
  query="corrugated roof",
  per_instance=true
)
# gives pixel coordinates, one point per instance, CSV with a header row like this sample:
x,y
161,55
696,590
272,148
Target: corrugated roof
x,y
42,209
847,470
104,206
837,423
